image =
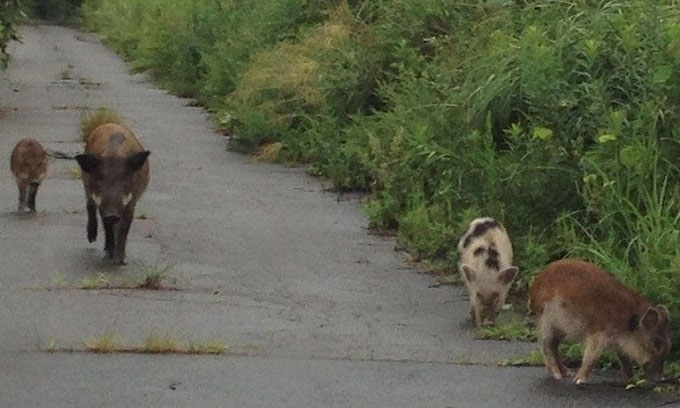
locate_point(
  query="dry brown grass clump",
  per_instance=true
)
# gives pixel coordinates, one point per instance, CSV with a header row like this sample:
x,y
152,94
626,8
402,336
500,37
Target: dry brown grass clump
x,y
93,119
291,70
154,343
106,343
268,152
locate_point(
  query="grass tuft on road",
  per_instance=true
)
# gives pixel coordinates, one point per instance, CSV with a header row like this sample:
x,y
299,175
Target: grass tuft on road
x,y
93,119
515,330
154,343
106,343
144,277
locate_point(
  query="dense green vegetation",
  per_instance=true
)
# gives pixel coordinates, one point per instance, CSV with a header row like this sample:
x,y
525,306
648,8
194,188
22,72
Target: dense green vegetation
x,y
557,117
14,11
10,13
55,10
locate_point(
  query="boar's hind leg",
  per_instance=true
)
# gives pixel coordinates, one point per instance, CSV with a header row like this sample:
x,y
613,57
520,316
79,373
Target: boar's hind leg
x,y
91,220
550,338
554,348
595,343
550,342
32,191
121,235
22,197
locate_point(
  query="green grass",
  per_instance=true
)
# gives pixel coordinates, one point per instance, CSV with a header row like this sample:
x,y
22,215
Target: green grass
x,y
571,355
160,343
533,359
106,343
207,347
74,172
513,330
10,16
100,281
152,277
143,277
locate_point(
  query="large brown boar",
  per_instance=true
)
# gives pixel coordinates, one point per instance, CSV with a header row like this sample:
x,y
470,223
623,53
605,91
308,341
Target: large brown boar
x,y
29,165
115,174
578,301
486,268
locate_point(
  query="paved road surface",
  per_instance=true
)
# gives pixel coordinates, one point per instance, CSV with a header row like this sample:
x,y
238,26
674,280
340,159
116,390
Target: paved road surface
x,y
316,310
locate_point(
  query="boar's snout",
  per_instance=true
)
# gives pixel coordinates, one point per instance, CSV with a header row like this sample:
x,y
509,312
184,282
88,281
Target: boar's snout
x,y
35,184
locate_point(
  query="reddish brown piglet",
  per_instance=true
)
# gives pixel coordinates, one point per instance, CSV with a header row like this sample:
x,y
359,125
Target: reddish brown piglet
x,y
578,301
29,166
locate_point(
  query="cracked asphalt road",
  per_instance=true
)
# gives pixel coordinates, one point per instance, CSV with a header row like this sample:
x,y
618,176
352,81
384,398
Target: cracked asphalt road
x,y
318,311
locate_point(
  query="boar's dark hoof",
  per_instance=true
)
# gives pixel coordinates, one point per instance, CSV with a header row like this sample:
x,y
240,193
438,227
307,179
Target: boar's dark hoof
x,y
92,234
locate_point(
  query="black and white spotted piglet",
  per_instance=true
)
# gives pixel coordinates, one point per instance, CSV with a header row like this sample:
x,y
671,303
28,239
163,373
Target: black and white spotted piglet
x,y
486,267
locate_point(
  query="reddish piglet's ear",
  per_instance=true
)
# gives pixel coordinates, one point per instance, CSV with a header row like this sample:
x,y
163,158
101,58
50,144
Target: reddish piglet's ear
x,y
87,162
137,160
507,275
650,319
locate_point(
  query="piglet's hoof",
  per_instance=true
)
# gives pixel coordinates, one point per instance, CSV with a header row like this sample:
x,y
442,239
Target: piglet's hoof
x,y
579,381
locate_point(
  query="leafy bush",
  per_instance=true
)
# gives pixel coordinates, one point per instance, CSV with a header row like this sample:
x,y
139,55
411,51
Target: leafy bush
x,y
556,117
58,10
9,15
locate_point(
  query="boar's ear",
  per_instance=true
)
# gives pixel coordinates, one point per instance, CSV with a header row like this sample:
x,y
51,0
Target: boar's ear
x,y
507,275
469,272
650,319
664,311
87,162
137,160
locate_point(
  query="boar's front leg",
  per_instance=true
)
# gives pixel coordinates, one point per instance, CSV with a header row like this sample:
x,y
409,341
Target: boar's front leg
x,y
594,345
122,233
626,365
110,226
473,315
91,220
